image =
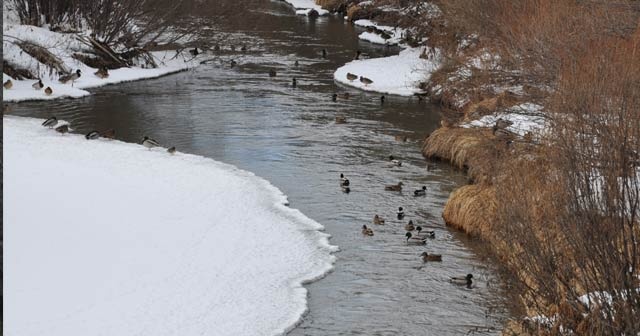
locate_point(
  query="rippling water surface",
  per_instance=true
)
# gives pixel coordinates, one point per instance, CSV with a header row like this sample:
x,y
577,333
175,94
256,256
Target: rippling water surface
x,y
289,136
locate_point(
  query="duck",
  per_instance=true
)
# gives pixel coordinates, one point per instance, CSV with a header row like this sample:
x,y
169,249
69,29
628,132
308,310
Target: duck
x,y
171,150
410,226
37,85
216,47
382,98
51,122
92,135
351,77
64,79
378,220
109,134
194,52
502,134
8,84
103,73
420,192
394,187
62,129
366,81
334,97
244,48
344,182
272,73
429,234
357,56
367,231
415,240
149,143
394,161
294,83
345,95
48,91
233,63
430,257
400,213
233,48
341,120
502,123
324,53
401,138
462,281
345,189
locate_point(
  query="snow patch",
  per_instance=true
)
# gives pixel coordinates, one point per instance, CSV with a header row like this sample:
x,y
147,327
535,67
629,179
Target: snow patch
x,y
526,117
303,7
110,238
396,34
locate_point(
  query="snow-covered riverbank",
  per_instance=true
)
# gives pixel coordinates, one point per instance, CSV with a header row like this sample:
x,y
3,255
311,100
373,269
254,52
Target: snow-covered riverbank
x,y
105,237
304,7
400,74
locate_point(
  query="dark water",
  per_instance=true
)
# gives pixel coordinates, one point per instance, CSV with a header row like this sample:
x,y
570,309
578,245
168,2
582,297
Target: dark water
x,y
241,116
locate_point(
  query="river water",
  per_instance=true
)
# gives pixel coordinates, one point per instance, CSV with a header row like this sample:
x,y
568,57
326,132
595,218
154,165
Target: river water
x,y
289,136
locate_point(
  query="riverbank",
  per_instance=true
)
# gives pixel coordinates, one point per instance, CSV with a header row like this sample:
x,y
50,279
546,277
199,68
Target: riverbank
x,y
169,242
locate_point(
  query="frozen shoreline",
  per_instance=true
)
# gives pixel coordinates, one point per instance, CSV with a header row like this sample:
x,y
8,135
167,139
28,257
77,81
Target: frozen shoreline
x,y
304,7
106,237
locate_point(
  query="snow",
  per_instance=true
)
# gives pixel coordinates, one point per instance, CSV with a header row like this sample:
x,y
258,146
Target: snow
x,y
64,46
109,238
395,33
303,7
399,74
526,117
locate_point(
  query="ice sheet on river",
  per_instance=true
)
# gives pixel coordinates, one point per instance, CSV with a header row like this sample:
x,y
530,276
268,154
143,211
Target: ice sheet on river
x,y
110,238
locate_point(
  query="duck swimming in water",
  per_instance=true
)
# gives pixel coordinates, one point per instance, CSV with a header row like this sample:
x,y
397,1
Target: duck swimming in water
x,y
430,257
394,187
394,161
378,220
420,192
463,281
400,213
428,234
415,240
344,182
367,231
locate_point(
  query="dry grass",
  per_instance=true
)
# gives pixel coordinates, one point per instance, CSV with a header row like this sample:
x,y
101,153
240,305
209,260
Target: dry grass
x,y
472,209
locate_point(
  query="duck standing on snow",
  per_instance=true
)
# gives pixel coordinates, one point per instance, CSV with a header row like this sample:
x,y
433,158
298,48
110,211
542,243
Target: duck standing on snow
x,y
62,129
367,231
357,56
194,52
109,134
70,77
415,240
149,143
171,150
102,73
37,85
394,161
351,77
366,81
48,91
463,281
400,213
92,135
8,84
378,220
394,187
502,123
430,257
51,122
420,192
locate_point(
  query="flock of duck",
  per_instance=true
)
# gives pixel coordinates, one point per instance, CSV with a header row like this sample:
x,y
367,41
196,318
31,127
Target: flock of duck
x,y
107,134
64,78
415,234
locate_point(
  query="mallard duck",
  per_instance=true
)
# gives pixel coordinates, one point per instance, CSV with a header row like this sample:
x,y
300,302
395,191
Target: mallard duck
x,y
341,120
400,213
401,138
394,187
62,129
357,56
382,98
351,77
324,53
48,91
70,77
171,150
272,73
420,192
366,81
430,257
294,83
367,231
103,73
233,63
344,181
345,95
51,122
428,234
149,143
394,161
503,134
109,134
92,135
378,220
334,97
410,226
8,84
194,52
502,123
462,281
38,85
415,240
345,189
